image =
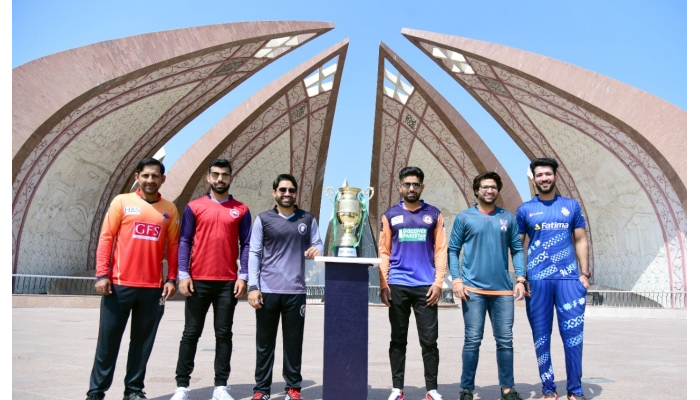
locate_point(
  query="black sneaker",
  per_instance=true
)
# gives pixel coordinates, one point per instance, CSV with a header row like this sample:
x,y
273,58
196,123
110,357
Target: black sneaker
x,y
95,396
466,394
512,395
135,395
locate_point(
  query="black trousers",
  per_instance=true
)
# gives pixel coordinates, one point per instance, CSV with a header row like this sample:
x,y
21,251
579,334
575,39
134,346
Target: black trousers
x,y
144,306
218,294
292,309
403,298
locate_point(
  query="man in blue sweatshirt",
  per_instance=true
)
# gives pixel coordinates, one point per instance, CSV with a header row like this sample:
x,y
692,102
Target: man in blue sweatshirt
x,y
485,233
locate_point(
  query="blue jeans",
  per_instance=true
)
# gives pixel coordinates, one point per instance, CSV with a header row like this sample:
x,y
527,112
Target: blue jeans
x,y
501,310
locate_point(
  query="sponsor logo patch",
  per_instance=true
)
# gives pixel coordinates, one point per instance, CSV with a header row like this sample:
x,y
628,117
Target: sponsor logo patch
x,y
413,234
144,230
233,212
397,220
302,228
536,213
131,210
428,219
553,225
166,216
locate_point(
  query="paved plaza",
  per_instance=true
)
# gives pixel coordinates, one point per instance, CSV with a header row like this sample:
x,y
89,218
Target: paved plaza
x,y
624,357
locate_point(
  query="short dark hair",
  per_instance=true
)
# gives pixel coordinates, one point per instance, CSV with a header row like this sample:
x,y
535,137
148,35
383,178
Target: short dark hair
x,y
544,162
284,177
487,175
150,161
411,171
221,163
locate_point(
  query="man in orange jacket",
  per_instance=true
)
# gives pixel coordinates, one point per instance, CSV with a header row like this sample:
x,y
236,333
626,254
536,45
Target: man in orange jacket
x,y
135,232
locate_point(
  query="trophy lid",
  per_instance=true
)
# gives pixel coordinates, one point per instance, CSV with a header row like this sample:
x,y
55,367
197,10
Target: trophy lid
x,y
348,189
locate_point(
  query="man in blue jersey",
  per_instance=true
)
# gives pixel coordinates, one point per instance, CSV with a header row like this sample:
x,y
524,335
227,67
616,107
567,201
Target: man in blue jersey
x,y
557,271
486,232
413,252
280,241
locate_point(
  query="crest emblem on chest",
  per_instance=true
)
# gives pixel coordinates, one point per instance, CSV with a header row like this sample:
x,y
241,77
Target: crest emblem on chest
x,y
234,213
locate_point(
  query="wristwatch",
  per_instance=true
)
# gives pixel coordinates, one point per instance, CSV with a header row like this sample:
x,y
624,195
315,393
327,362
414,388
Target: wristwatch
x,y
586,274
252,288
170,281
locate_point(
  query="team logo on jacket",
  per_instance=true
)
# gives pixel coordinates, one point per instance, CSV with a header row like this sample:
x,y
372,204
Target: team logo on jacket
x,y
131,210
397,220
233,212
504,225
166,216
302,228
565,211
144,230
428,219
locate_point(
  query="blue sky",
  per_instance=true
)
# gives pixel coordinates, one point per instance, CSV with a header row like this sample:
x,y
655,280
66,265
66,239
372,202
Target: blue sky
x,y
642,43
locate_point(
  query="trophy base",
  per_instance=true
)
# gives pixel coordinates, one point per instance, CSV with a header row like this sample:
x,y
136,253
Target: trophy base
x,y
347,252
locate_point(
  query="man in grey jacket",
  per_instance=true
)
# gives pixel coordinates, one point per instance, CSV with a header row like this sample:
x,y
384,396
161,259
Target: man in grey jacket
x,y
280,241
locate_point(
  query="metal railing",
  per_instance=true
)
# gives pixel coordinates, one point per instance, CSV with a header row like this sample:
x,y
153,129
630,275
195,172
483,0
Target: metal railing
x,y
620,298
54,285
85,285
447,296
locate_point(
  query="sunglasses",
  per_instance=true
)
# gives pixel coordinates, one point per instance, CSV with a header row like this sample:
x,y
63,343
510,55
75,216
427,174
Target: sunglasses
x,y
415,185
223,175
285,190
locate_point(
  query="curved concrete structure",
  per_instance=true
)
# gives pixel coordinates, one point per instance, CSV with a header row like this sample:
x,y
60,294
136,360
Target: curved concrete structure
x,y
415,125
284,128
622,150
82,118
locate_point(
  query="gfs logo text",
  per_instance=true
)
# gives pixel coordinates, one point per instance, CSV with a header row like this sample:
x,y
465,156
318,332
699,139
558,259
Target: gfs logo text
x,y
144,230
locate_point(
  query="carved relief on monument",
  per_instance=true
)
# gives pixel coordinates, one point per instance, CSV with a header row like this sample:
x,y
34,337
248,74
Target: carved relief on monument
x,y
303,141
61,211
252,184
507,94
630,247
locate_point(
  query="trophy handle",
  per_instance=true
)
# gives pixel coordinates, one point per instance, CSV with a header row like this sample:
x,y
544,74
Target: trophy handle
x,y
369,189
332,194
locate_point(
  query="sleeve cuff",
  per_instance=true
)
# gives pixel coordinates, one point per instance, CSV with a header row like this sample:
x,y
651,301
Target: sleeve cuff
x,y
456,280
183,275
243,277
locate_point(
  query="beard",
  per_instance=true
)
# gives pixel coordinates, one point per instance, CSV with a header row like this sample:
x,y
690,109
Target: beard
x,y
411,197
282,202
540,189
220,190
482,199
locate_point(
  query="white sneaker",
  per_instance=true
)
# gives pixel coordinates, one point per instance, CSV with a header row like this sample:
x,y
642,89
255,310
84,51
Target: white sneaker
x,y
221,393
433,395
396,394
181,393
